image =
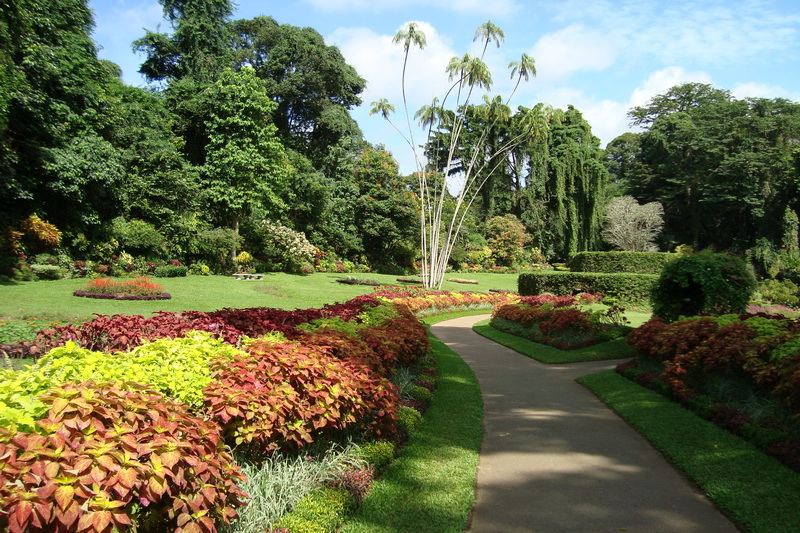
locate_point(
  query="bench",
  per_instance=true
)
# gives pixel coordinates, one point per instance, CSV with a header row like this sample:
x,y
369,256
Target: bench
x,y
249,277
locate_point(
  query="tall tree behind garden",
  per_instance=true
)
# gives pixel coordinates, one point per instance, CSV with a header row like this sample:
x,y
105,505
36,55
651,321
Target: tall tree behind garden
x,y
53,159
312,85
245,162
724,169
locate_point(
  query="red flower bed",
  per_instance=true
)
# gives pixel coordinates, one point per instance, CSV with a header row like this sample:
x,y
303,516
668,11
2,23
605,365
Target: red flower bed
x,y
140,288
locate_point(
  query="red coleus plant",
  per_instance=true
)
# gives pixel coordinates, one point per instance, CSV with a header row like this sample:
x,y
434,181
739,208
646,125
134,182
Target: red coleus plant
x,y
112,457
280,396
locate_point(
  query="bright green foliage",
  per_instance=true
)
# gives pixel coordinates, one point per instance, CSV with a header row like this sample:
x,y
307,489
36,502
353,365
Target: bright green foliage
x,y
178,368
408,419
322,511
137,237
702,283
783,292
387,212
378,314
245,163
378,454
20,406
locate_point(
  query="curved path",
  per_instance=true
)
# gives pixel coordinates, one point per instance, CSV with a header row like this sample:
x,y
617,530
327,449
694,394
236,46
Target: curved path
x,y
556,459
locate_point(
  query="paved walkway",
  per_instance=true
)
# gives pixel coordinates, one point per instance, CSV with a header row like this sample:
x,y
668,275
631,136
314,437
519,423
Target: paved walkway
x,y
555,459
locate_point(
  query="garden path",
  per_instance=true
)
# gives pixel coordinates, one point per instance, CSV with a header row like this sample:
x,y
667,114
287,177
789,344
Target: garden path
x,y
556,459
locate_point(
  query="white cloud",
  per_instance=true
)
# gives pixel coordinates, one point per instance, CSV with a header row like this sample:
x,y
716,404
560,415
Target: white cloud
x,y
662,80
380,62
494,8
691,32
763,90
573,49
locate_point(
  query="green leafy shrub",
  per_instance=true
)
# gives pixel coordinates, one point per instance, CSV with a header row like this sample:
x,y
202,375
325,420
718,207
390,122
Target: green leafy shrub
x,y
615,262
286,247
116,457
421,394
633,289
408,420
47,272
378,454
322,511
702,283
137,236
170,271
213,247
779,292
506,237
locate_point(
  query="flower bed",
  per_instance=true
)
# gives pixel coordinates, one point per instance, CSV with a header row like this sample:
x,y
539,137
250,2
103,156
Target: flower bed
x,y
129,460
139,288
554,321
740,371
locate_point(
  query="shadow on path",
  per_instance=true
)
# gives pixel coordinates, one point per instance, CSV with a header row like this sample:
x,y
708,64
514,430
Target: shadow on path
x,y
555,459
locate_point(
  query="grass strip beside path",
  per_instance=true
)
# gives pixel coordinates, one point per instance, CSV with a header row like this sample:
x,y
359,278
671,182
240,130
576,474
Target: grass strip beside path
x,y
430,487
616,349
754,489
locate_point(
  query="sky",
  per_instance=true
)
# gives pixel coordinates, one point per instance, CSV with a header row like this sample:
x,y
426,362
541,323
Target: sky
x,y
603,57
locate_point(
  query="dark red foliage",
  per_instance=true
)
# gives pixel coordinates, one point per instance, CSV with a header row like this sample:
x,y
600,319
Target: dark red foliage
x,y
123,332
728,418
787,452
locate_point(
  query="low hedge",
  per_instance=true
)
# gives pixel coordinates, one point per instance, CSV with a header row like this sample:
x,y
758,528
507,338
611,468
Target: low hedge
x,y
170,271
628,288
615,262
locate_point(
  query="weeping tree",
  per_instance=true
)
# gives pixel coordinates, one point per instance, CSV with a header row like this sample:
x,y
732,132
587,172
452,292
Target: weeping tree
x,y
448,175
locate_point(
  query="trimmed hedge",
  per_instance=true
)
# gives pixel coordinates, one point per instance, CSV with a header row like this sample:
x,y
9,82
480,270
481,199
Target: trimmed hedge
x,y
170,271
615,262
626,287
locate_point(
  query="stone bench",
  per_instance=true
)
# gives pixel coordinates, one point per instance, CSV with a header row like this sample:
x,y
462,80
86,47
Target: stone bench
x,y
249,277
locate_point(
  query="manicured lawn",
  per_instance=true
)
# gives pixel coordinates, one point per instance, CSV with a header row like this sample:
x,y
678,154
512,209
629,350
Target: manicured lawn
x,y
54,299
430,487
616,349
753,488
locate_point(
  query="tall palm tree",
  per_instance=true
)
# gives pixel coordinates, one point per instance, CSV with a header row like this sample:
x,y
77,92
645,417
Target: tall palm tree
x,y
489,32
524,68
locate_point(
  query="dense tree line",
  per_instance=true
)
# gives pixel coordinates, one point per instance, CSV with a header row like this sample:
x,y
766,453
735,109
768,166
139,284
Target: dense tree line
x,y
726,170
247,121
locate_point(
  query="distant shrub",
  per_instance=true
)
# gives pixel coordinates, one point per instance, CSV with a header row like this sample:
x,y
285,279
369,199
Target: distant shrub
x,y
702,283
170,271
137,236
47,272
624,288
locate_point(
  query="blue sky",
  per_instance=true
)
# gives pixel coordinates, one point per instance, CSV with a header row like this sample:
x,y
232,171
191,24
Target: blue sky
x,y
601,56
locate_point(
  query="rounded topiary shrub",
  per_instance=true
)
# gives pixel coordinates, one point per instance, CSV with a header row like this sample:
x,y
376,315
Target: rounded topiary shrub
x,y
703,283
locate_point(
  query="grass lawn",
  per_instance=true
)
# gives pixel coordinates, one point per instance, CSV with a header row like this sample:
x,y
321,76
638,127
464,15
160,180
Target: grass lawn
x,y
754,489
616,349
430,487
54,300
